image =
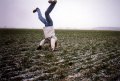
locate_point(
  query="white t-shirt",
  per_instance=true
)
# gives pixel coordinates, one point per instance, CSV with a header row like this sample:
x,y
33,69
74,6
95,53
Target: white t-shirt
x,y
49,31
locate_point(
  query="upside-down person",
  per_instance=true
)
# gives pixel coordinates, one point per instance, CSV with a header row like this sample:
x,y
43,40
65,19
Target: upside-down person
x,y
48,30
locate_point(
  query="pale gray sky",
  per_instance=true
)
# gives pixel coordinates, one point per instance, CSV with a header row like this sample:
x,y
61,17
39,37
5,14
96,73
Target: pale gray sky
x,y
77,14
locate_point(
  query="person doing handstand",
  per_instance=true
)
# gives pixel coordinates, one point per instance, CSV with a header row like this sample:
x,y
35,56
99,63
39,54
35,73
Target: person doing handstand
x,y
48,30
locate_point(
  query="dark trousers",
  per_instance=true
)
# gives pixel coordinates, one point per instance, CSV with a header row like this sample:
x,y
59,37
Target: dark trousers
x,y
48,21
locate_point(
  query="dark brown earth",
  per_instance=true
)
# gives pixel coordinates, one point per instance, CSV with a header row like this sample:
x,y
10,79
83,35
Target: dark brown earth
x,y
80,56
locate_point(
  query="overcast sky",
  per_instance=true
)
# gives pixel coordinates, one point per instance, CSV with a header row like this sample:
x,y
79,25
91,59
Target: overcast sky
x,y
80,14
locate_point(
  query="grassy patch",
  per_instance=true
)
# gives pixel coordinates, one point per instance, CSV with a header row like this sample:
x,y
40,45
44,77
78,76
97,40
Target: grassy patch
x,y
81,56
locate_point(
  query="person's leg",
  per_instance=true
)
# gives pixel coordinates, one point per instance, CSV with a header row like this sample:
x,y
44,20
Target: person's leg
x,y
48,18
43,20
